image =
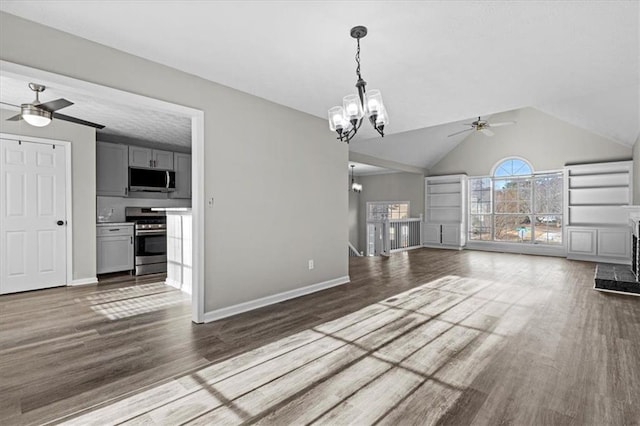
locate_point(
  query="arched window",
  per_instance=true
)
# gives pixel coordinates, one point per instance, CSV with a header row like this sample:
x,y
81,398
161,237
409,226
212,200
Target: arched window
x,y
512,167
516,205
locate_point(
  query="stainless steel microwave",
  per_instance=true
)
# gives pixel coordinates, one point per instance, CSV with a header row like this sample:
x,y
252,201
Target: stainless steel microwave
x,y
150,180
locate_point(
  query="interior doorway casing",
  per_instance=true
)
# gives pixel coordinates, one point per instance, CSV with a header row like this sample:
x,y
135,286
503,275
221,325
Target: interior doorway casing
x,y
197,154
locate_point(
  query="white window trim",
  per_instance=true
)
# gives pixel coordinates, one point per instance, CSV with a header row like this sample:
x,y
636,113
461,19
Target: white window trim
x,y
514,246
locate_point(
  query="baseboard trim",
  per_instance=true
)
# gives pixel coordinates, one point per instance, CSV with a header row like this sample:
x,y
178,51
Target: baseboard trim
x,y
598,259
270,300
604,290
84,281
438,246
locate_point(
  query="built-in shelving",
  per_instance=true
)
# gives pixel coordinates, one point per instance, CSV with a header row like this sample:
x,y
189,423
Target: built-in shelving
x,y
597,223
445,211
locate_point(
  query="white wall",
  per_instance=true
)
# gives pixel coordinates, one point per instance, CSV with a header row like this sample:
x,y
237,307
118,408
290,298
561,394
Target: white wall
x,y
546,142
83,185
276,175
389,187
636,172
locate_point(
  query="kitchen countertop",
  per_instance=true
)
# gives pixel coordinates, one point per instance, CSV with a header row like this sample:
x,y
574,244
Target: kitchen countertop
x,y
114,224
172,209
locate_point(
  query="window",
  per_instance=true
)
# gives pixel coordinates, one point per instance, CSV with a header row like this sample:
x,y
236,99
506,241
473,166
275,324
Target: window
x,y
377,211
516,205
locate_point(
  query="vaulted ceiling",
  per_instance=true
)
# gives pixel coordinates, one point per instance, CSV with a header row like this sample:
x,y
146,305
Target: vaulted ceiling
x,y
438,63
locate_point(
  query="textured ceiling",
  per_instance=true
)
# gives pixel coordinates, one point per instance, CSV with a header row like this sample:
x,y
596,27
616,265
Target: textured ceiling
x,y
128,123
436,62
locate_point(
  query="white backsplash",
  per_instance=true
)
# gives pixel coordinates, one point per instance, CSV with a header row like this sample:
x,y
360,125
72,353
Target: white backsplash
x,y
111,209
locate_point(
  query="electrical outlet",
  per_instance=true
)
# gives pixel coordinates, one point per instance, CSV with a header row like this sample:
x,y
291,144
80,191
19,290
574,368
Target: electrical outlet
x,y
210,202
310,264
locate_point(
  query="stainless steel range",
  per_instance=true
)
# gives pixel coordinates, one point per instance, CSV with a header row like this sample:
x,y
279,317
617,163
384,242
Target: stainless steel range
x,y
150,235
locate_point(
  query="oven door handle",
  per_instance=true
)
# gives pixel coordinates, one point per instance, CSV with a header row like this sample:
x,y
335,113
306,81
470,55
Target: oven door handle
x,y
150,232
167,179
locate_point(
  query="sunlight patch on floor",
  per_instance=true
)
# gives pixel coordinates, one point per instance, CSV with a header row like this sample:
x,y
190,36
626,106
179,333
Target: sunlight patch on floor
x,y
417,351
134,300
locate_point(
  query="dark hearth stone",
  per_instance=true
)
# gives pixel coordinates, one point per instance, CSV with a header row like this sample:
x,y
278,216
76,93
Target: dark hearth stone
x,y
616,278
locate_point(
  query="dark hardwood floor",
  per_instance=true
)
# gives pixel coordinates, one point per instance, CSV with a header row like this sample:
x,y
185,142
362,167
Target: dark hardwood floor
x,y
424,337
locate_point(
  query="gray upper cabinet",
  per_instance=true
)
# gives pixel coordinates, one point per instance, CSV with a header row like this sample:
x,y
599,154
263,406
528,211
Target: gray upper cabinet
x,y
162,159
112,169
182,167
150,158
140,157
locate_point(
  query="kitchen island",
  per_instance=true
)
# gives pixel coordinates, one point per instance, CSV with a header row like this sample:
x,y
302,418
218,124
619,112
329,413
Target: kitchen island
x,y
179,247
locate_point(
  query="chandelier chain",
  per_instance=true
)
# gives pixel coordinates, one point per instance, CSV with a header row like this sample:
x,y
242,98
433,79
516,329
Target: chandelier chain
x,y
358,58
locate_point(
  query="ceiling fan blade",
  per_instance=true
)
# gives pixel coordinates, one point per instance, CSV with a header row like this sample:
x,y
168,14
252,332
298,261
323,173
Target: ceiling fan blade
x,y
506,123
70,119
487,132
15,118
461,131
13,105
52,106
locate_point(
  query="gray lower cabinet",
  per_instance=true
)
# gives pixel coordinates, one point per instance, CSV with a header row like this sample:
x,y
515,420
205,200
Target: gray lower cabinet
x,y
115,248
112,163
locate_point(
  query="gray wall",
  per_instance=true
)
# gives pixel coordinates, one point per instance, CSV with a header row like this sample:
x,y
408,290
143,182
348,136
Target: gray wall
x,y
83,185
546,142
636,172
389,187
288,203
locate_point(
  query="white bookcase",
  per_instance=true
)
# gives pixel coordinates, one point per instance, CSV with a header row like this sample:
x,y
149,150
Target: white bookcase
x,y
445,211
597,223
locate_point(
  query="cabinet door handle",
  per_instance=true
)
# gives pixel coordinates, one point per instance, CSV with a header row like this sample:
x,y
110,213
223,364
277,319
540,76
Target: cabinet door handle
x,y
131,242
126,190
114,229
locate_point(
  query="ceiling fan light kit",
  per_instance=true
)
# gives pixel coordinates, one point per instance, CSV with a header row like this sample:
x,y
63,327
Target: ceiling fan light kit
x,y
41,114
345,120
35,116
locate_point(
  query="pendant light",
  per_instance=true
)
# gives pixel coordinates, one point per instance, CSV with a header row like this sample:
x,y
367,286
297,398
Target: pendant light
x,y
345,120
355,187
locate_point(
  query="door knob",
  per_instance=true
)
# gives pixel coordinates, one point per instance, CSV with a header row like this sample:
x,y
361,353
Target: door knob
x,y
60,222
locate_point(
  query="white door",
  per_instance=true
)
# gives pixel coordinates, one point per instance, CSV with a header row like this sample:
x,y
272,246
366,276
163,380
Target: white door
x,y
33,219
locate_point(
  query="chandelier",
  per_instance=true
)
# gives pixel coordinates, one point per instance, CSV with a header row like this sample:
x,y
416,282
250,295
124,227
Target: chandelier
x,y
355,187
345,120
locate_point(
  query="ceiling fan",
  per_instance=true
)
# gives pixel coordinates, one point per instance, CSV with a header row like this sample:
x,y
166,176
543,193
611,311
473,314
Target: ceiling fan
x,y
40,114
482,126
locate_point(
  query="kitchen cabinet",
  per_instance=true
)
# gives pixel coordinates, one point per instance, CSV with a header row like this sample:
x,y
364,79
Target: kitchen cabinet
x,y
182,167
150,158
114,247
112,169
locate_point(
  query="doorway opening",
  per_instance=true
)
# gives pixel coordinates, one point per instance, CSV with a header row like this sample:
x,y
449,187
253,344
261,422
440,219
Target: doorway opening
x,y
196,117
